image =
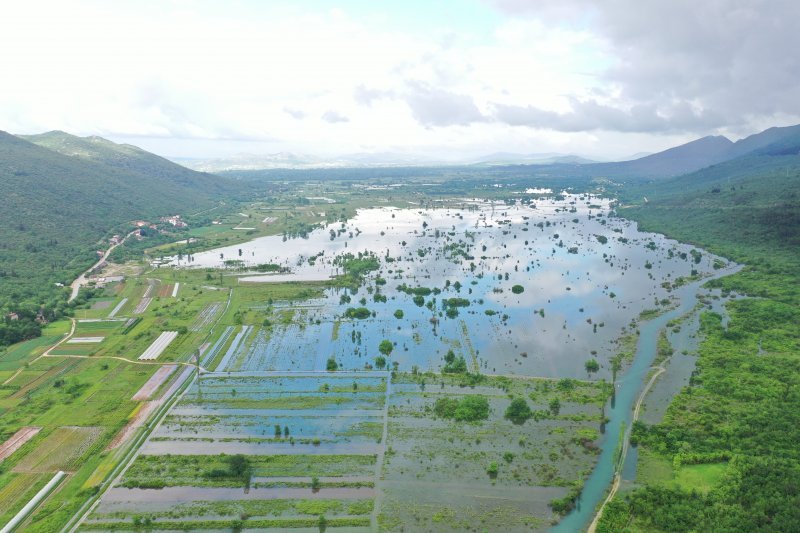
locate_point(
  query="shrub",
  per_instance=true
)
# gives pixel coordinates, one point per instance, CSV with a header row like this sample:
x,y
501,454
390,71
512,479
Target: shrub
x,y
357,312
468,409
518,411
386,347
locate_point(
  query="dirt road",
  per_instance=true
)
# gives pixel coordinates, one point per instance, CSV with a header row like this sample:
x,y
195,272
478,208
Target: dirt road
x,y
81,280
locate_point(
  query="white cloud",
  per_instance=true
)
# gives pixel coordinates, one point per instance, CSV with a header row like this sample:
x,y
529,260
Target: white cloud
x,y
280,77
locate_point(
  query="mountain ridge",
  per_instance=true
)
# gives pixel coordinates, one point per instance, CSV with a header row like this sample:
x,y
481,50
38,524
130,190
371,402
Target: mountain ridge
x,y
58,208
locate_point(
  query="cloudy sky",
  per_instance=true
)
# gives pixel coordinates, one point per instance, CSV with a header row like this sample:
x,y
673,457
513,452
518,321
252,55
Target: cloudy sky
x,y
443,79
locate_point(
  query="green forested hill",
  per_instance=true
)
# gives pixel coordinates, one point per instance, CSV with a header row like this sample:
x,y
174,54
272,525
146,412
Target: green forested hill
x,y
725,456
149,167
57,209
749,203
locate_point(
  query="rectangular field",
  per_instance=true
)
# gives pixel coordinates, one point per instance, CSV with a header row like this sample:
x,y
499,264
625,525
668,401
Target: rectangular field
x,y
305,446
118,307
158,346
85,340
60,450
152,384
16,441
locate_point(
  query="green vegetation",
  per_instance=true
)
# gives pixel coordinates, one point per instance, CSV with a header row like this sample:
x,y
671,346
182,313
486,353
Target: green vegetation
x,y
727,443
518,411
453,364
154,471
59,209
471,408
386,347
360,313
356,267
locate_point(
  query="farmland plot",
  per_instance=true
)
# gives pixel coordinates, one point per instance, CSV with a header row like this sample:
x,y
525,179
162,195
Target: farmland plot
x,y
118,307
16,441
307,454
152,384
16,493
444,474
206,316
158,346
60,450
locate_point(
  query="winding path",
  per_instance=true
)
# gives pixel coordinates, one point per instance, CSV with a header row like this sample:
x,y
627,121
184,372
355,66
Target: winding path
x,y
618,473
81,280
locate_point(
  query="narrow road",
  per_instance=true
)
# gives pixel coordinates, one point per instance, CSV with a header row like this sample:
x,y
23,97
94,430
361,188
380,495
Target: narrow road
x,y
46,352
81,280
618,473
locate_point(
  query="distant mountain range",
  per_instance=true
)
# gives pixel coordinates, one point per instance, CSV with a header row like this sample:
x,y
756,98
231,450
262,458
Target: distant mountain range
x,y
287,160
695,155
676,161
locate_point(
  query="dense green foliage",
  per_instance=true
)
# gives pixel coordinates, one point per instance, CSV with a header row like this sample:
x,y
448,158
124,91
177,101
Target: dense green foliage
x,y
518,411
386,347
63,200
742,407
471,408
356,267
357,312
453,364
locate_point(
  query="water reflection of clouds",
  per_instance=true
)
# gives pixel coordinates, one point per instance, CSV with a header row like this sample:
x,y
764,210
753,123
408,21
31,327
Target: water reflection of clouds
x,y
557,344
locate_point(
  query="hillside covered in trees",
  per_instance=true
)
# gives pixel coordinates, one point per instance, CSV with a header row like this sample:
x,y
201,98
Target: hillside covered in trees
x,y
63,197
737,424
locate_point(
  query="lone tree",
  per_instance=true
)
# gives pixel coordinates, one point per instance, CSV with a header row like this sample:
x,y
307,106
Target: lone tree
x,y
517,289
380,362
592,365
518,411
386,347
555,406
332,365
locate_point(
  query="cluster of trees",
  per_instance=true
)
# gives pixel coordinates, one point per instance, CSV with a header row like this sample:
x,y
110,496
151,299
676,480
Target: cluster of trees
x,y
453,364
471,408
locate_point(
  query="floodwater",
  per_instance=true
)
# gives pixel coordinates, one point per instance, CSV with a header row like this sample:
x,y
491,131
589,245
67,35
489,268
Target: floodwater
x,y
586,275
621,411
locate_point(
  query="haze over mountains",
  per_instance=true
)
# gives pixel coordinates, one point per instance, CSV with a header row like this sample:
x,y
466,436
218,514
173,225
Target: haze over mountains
x,y
287,160
675,161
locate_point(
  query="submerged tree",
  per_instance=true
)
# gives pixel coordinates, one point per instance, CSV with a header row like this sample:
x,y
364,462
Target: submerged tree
x,y
518,411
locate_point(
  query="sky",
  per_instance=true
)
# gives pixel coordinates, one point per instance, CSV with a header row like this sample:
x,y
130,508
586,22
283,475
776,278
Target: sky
x,y
442,79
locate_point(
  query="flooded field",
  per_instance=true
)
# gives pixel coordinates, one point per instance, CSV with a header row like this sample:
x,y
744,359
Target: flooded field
x,y
529,289
471,368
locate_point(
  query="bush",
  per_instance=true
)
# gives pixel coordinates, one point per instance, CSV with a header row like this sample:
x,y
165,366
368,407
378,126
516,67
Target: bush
x,y
518,411
357,312
468,409
386,347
